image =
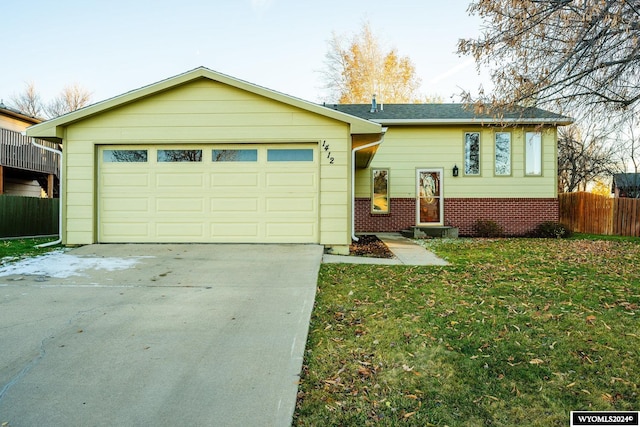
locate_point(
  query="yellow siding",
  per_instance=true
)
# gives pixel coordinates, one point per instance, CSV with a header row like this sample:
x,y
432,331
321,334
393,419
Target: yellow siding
x,y
204,112
407,148
13,124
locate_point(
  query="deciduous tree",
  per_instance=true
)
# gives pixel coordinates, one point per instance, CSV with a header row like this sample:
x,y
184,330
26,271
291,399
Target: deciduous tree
x,y
28,102
359,68
72,98
583,156
570,52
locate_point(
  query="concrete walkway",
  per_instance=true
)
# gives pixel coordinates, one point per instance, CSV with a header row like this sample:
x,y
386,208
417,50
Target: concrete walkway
x,y
155,335
406,252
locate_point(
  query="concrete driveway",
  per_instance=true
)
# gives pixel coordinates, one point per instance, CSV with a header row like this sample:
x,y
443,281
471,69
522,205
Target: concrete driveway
x,y
162,335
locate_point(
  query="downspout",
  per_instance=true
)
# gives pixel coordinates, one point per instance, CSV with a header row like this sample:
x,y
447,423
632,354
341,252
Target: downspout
x,y
59,153
353,181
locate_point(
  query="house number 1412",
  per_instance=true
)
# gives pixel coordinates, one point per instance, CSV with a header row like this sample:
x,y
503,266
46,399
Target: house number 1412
x,y
328,152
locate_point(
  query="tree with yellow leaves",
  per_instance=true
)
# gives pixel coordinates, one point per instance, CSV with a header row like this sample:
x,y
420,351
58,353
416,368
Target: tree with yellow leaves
x,y
360,68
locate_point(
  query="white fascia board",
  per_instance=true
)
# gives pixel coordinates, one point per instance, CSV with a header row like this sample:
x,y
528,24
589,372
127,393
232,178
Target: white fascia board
x,y
433,122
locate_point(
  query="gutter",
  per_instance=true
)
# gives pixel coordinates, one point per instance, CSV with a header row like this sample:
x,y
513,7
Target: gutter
x,y
353,181
474,121
59,153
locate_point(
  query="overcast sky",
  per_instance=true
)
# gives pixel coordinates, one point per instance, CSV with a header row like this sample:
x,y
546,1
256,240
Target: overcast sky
x,y
113,46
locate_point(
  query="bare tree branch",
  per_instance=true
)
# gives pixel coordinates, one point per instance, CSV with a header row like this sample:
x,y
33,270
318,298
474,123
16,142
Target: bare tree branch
x,y
28,102
73,97
563,52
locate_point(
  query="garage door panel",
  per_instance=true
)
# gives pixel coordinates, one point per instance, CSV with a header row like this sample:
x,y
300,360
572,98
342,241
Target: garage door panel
x,y
208,201
180,205
182,180
297,181
234,229
289,205
234,205
123,205
126,180
187,230
231,181
291,230
118,230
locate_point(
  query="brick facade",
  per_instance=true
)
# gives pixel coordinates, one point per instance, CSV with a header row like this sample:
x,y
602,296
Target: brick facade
x,y
517,216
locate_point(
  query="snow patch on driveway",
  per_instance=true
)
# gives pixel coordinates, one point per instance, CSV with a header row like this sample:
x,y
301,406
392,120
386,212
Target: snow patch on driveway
x,y
62,265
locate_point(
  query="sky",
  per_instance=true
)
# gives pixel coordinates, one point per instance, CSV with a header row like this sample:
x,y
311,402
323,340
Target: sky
x,y
110,47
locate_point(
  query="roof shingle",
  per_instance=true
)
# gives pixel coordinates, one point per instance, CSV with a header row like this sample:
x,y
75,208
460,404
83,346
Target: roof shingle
x,y
447,114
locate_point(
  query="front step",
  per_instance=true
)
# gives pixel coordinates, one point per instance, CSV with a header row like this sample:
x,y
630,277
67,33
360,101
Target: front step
x,y
420,232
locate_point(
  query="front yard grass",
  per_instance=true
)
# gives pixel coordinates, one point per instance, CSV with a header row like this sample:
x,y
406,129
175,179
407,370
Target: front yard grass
x,y
13,249
513,332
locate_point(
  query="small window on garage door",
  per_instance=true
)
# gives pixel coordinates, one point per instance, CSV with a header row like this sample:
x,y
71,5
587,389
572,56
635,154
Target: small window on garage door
x,y
290,155
179,156
121,156
235,155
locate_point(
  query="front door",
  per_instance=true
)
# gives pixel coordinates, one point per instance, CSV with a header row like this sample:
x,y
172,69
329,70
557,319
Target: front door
x,y
429,202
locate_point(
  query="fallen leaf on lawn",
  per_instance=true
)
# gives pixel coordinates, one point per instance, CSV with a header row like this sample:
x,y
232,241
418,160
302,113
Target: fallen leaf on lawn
x,y
407,368
571,385
411,396
365,372
408,414
590,319
536,361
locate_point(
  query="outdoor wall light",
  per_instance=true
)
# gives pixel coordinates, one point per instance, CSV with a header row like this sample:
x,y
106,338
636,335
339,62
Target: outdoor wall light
x,y
455,170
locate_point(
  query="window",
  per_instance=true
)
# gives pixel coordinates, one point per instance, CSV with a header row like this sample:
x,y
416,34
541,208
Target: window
x,y
533,153
472,153
179,155
380,191
503,153
119,156
235,156
290,155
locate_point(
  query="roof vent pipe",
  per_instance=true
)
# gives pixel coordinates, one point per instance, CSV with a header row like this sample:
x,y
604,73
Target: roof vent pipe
x,y
374,106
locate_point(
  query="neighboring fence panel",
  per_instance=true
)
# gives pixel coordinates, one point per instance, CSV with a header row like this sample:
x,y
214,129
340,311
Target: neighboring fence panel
x,y
594,214
28,216
626,217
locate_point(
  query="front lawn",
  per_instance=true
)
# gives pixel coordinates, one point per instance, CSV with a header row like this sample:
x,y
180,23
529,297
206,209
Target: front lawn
x,y
13,249
514,332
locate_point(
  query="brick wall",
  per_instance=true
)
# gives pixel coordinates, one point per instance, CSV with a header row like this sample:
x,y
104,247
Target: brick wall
x,y
402,215
517,216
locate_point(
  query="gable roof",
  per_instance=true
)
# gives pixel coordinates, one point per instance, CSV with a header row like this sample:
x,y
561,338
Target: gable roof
x,y
54,128
15,114
448,114
626,181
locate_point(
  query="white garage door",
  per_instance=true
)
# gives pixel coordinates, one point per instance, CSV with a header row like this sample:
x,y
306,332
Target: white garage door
x,y
205,193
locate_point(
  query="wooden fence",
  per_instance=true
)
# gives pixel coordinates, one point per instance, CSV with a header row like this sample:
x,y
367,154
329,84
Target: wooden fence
x,y
28,216
594,214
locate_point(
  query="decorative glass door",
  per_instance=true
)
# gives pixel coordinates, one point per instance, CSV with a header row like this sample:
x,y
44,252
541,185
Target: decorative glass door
x,y
429,197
